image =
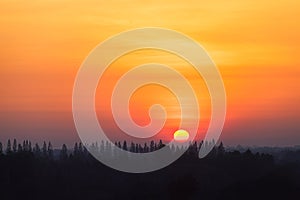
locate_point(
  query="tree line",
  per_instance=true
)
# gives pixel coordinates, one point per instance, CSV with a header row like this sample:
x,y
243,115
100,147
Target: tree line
x,y
46,150
34,171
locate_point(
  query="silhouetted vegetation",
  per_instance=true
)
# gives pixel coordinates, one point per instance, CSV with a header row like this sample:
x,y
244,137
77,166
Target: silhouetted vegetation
x,y
29,171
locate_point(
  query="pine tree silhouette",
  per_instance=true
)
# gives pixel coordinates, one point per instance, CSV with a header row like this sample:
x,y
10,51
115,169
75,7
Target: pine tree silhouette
x,y
29,147
80,148
102,147
64,152
15,146
119,145
37,150
160,144
20,149
152,146
221,149
146,148
124,146
24,146
141,150
76,150
132,147
44,150
8,147
50,150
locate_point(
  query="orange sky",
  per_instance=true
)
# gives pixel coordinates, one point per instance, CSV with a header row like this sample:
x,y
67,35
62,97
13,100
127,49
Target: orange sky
x,y
255,44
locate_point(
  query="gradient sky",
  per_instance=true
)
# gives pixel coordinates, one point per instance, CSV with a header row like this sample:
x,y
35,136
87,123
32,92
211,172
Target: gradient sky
x,y
255,44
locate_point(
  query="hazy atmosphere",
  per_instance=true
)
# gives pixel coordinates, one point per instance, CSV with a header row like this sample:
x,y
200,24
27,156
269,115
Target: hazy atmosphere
x,y
254,44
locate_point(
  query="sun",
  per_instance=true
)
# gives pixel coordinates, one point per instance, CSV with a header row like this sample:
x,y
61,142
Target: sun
x,y
181,135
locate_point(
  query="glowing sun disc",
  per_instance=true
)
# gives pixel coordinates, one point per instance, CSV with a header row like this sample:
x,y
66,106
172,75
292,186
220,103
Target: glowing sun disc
x,y
181,135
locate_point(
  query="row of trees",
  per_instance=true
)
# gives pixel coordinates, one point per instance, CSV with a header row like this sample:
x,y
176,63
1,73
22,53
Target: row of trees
x,y
26,146
46,150
153,146
32,171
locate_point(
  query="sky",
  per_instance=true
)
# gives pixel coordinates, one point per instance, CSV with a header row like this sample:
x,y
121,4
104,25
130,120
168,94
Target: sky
x,y
255,45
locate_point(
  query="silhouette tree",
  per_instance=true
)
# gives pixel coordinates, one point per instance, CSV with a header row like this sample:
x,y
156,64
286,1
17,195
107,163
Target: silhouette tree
x,y
29,147
64,152
124,146
80,148
119,145
20,149
160,144
44,149
141,150
24,146
137,148
152,146
248,154
102,147
132,147
76,150
146,148
37,150
8,147
221,149
50,150
15,146
195,148
115,152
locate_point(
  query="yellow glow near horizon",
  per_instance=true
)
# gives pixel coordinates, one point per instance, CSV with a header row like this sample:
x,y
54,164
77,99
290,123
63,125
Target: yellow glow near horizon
x,y
181,135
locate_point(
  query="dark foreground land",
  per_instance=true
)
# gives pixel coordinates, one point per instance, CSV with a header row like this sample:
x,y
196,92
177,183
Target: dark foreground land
x,y
28,173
